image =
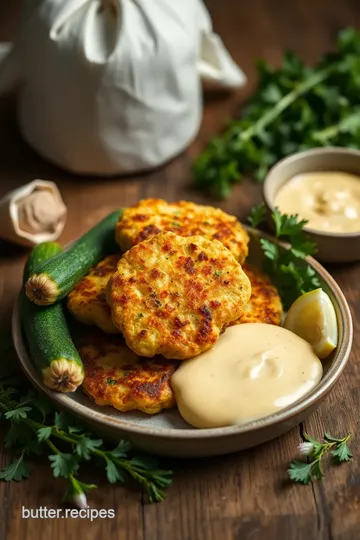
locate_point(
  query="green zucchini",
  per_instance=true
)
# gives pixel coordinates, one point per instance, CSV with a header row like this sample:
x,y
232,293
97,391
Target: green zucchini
x,y
51,347
58,276
40,254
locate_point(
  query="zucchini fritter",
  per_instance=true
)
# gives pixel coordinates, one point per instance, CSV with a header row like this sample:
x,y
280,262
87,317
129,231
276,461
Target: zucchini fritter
x,y
173,295
115,375
152,216
87,301
264,305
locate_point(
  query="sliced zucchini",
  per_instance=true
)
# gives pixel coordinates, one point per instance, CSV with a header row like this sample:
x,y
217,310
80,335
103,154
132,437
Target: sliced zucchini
x,y
51,347
57,277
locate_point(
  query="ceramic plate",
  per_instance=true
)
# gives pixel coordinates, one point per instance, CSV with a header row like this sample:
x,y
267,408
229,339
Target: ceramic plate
x,y
166,433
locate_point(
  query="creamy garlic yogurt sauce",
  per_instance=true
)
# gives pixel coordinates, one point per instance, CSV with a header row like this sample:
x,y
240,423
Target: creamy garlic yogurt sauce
x,y
254,370
330,201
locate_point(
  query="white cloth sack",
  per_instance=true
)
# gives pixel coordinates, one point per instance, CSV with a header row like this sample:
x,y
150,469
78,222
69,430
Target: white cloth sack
x,y
113,86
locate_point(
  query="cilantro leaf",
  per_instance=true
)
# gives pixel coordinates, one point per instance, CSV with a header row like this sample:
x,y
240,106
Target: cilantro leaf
x,y
330,438
85,446
17,414
316,469
309,279
112,472
145,462
86,487
155,494
257,215
163,478
44,433
122,449
271,250
287,225
65,422
6,393
27,398
14,435
17,470
318,446
42,404
300,471
63,464
62,420
75,428
21,435
301,246
292,276
341,453
272,93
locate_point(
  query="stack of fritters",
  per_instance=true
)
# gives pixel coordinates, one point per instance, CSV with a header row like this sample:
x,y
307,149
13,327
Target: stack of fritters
x,y
177,286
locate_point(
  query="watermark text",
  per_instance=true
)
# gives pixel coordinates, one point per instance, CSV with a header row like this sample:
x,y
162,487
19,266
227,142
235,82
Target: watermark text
x,y
43,512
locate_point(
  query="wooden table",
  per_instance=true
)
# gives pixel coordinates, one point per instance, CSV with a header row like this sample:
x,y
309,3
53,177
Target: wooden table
x,y
243,496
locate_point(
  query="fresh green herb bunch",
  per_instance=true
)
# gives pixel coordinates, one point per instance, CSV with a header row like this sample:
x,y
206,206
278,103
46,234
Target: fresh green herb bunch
x,y
287,268
35,427
303,472
294,108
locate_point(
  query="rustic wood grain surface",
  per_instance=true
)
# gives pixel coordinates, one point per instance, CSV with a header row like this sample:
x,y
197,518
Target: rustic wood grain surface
x,y
238,497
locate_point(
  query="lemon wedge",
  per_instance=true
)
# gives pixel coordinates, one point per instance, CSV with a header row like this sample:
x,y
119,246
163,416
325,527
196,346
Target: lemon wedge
x,y
312,317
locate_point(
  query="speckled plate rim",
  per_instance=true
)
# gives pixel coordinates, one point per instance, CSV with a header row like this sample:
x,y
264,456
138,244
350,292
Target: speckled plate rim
x,y
320,391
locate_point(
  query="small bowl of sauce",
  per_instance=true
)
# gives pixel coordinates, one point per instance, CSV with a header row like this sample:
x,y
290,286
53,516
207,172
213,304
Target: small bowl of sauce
x,y
322,186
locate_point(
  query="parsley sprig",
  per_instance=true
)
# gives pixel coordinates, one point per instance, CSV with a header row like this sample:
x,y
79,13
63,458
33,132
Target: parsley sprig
x,y
35,427
303,472
294,107
287,268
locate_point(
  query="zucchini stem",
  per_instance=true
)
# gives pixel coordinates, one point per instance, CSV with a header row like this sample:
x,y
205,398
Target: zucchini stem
x,y
63,375
41,290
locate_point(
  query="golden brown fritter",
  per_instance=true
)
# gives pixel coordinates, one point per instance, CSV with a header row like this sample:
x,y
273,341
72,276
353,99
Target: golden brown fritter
x,y
116,376
152,216
264,305
87,301
173,295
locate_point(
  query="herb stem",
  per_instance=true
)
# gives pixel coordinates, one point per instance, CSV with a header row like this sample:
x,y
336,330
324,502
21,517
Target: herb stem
x,y
125,464
303,472
73,439
294,108
140,475
327,133
52,446
286,101
330,132
134,471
